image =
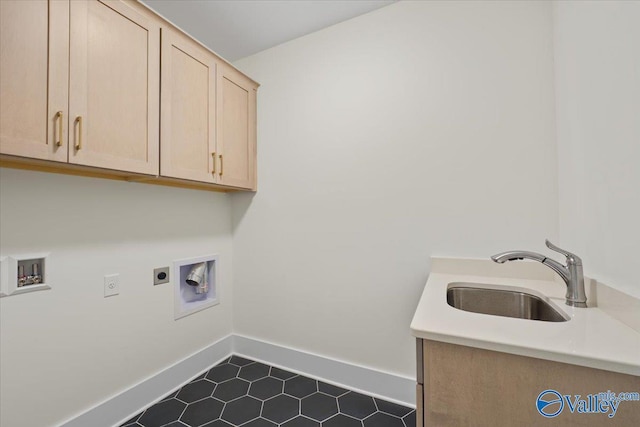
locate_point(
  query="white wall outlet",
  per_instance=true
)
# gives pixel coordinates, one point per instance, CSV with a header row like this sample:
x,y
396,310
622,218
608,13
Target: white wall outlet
x,y
111,285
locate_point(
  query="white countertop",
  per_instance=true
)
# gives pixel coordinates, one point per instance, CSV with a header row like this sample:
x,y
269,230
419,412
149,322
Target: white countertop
x,y
590,338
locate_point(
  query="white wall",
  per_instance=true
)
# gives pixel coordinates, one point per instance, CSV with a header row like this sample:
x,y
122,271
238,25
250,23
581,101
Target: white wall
x,y
66,349
423,128
597,65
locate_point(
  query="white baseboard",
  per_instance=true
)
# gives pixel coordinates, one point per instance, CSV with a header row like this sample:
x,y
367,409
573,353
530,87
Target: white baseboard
x,y
120,407
391,387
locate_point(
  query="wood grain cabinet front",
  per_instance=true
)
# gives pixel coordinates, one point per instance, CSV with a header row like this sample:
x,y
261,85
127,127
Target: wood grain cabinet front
x,y
84,84
236,129
466,386
208,123
80,83
34,67
188,109
114,87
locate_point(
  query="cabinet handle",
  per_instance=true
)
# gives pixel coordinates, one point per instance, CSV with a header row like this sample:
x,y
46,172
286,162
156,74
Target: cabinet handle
x,y
213,155
79,140
58,118
221,165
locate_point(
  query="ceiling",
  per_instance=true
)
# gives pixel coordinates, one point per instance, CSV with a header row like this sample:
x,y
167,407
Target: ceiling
x,y
238,28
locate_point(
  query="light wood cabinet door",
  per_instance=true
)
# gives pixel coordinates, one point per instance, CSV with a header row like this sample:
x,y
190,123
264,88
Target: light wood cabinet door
x,y
236,129
187,112
467,386
34,40
114,87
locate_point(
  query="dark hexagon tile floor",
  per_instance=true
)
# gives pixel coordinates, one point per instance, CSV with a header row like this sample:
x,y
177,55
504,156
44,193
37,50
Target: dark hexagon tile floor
x,y
242,392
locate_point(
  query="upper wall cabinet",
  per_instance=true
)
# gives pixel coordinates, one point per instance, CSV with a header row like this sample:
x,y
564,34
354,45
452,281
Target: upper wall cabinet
x,y
208,123
114,87
83,83
80,83
236,129
34,60
187,138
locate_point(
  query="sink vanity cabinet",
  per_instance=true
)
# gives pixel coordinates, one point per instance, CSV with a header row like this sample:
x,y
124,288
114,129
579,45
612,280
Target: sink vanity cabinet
x,y
493,341
467,386
81,93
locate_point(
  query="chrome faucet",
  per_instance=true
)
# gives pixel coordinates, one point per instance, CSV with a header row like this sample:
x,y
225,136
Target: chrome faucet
x,y
571,273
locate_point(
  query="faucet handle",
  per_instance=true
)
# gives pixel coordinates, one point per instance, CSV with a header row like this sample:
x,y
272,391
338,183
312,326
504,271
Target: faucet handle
x,y
571,258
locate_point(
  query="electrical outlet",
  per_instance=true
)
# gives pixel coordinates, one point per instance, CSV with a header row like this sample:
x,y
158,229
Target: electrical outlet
x,y
111,285
160,275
